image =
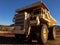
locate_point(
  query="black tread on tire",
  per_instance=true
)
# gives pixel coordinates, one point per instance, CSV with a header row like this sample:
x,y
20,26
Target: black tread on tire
x,y
40,37
52,33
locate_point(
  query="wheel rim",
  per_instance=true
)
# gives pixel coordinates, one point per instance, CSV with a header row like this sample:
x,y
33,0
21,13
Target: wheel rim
x,y
44,34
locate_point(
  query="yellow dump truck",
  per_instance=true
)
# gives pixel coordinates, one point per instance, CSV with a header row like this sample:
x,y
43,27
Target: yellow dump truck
x,y
34,22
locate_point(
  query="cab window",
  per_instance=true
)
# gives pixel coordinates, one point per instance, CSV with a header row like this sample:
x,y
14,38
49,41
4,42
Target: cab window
x,y
37,11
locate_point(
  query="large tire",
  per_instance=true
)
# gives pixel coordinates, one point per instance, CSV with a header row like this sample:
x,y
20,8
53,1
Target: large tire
x,y
52,33
42,34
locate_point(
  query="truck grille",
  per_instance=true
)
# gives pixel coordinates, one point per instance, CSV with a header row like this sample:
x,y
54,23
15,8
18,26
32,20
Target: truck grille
x,y
19,20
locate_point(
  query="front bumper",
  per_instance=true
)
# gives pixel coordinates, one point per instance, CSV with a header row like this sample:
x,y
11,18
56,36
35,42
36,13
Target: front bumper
x,y
33,23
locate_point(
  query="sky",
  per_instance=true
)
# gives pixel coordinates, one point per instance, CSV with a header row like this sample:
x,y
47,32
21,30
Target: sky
x,y
8,8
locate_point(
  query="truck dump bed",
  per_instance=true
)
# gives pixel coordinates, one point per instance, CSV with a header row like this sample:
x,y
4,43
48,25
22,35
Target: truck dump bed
x,y
46,17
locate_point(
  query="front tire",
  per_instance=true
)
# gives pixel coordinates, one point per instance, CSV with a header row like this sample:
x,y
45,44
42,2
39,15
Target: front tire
x,y
42,34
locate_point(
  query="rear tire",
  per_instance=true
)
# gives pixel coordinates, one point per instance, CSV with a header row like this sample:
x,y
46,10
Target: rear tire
x,y
52,33
42,34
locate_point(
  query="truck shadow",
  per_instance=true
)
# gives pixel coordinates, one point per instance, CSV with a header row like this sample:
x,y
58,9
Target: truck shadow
x,y
13,40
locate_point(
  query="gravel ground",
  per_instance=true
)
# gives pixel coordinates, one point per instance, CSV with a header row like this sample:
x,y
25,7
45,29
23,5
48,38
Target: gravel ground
x,y
14,41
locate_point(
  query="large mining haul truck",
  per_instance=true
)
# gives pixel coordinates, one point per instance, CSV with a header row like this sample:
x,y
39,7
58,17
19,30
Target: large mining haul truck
x,y
34,22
